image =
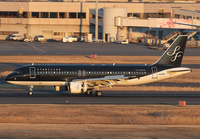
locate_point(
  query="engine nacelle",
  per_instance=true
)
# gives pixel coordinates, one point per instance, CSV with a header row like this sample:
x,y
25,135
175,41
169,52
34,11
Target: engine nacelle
x,y
61,88
77,87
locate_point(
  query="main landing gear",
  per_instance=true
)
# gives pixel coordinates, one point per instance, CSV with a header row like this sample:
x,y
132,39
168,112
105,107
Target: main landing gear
x,y
88,92
30,93
97,93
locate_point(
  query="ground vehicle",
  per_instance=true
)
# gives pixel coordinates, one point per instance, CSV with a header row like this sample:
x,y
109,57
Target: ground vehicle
x,y
67,39
28,39
74,38
81,39
39,38
166,45
16,37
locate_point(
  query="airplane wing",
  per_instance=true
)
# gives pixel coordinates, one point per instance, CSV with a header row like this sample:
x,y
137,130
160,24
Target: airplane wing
x,y
106,81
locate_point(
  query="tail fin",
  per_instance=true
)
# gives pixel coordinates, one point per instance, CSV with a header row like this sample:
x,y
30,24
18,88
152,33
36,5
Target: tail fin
x,y
174,54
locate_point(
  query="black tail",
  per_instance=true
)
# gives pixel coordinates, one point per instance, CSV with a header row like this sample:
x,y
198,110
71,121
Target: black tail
x,y
174,54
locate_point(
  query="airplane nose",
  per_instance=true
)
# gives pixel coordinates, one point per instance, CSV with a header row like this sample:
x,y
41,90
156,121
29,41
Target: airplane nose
x,y
8,77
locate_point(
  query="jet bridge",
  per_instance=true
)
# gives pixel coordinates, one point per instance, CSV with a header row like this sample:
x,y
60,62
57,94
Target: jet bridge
x,y
115,23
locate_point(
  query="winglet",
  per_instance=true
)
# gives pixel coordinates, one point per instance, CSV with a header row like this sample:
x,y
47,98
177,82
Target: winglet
x,y
173,56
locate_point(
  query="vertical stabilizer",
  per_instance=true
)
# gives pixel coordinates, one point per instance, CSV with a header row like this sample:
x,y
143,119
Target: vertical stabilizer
x,y
174,54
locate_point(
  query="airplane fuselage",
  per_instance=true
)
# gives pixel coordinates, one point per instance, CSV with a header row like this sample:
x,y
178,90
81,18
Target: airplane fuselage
x,y
58,75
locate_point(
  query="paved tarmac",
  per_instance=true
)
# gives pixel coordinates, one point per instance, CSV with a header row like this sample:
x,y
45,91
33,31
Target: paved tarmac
x,y
17,96
109,97
81,48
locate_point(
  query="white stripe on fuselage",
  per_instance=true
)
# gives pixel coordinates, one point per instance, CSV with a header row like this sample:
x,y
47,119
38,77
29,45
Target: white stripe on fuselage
x,y
168,73
164,74
39,83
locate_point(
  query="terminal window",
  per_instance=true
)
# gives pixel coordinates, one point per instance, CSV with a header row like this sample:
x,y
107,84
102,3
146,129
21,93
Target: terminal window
x,y
35,14
8,32
136,15
72,15
24,15
130,14
61,15
13,14
53,15
44,15
81,15
3,14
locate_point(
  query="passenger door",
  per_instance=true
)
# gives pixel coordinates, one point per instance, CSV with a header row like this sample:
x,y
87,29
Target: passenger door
x,y
154,72
32,72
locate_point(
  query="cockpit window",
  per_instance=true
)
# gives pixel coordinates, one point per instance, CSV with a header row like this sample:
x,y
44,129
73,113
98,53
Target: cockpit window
x,y
18,72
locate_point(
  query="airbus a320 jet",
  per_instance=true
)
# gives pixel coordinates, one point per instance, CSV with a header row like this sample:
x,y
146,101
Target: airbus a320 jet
x,y
84,78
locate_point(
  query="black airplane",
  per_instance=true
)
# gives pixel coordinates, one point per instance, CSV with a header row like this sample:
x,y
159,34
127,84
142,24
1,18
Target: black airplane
x,y
79,78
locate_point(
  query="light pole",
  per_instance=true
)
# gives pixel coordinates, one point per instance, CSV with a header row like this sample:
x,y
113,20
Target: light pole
x,y
96,25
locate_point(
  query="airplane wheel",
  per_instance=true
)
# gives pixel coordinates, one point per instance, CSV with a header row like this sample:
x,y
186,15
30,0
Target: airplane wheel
x,y
88,92
98,93
30,93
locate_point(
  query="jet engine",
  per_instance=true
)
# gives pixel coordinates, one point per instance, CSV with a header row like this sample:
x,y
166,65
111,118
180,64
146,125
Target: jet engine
x,y
77,87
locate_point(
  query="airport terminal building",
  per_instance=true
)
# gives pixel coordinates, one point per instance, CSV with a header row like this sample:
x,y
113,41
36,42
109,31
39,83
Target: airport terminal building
x,y
55,20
